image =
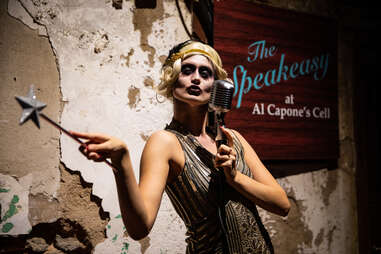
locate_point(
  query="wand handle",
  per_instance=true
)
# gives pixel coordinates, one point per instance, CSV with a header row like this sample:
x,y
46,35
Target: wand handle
x,y
60,128
71,135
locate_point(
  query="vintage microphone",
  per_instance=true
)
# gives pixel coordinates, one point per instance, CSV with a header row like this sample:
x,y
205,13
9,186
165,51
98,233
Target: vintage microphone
x,y
219,104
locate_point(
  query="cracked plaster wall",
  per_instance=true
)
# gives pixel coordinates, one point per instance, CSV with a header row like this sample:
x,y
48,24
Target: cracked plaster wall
x,y
29,163
96,72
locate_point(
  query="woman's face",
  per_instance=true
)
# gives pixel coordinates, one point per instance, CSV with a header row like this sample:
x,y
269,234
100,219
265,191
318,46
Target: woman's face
x,y
195,81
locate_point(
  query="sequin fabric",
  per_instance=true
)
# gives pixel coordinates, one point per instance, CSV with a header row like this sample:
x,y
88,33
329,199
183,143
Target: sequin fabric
x,y
194,195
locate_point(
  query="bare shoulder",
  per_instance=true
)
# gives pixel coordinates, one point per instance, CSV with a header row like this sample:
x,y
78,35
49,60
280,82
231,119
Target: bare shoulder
x,y
163,142
162,138
163,146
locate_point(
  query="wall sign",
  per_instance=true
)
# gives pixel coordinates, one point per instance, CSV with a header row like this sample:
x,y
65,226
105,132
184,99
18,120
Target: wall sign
x,y
284,68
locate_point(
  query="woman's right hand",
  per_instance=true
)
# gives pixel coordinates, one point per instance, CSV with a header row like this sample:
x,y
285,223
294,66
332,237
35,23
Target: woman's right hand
x,y
98,147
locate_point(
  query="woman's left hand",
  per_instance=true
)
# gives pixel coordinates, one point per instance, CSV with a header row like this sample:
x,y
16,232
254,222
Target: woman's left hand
x,y
226,156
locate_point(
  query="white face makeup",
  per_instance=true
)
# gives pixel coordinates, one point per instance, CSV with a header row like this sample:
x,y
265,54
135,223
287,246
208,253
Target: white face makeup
x,y
195,80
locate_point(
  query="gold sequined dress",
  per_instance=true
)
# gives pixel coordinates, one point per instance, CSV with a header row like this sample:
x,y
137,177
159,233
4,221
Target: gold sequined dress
x,y
194,195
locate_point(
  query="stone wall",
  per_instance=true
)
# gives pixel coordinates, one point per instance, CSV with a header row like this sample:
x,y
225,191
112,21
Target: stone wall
x,y
95,63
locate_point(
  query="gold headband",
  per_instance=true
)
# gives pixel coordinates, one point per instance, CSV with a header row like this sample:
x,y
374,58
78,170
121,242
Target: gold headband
x,y
178,55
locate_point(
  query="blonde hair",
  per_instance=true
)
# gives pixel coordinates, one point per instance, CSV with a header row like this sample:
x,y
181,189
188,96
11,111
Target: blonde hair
x,y
172,66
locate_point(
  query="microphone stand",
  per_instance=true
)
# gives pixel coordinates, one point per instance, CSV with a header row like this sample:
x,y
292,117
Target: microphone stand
x,y
221,140
220,103
220,122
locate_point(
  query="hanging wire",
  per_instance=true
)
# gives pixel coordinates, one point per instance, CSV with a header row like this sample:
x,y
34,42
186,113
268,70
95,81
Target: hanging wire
x,y
182,18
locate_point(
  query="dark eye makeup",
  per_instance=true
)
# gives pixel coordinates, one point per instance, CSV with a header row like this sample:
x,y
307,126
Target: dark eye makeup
x,y
204,71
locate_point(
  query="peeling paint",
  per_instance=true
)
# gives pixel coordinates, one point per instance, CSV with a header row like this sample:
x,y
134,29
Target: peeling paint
x,y
330,187
99,88
145,244
42,209
12,209
133,96
81,68
97,40
14,205
127,58
162,59
125,248
143,20
7,227
151,54
319,237
330,235
294,225
315,222
149,82
77,206
117,4
101,43
16,10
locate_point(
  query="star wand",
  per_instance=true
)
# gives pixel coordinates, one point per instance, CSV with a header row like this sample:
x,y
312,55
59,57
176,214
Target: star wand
x,y
32,110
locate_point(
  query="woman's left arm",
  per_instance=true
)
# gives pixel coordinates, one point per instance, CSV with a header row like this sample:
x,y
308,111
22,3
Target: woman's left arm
x,y
262,189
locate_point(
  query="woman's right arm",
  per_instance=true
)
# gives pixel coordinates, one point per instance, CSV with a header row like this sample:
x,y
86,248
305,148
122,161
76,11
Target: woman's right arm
x,y
139,203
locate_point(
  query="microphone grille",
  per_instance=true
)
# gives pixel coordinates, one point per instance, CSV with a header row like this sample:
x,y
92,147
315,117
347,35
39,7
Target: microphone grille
x,y
221,96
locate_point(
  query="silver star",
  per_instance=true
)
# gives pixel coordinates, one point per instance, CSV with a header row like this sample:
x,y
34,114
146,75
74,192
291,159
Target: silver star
x,y
31,107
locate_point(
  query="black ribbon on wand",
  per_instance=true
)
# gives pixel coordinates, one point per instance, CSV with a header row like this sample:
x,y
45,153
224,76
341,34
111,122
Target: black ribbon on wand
x,y
32,110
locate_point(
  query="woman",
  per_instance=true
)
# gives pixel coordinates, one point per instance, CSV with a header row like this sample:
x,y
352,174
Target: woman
x,y
183,160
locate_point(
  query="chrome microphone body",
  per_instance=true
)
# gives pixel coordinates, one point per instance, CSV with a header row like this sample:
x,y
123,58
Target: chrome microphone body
x,y
220,103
